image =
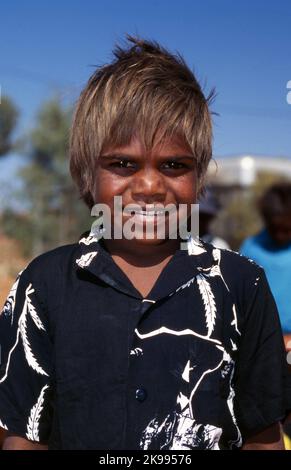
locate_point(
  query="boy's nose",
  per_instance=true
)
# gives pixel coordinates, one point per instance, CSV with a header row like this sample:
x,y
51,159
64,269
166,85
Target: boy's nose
x,y
148,187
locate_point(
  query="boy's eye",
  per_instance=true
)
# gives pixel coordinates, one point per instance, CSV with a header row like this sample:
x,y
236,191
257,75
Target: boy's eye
x,y
123,164
173,165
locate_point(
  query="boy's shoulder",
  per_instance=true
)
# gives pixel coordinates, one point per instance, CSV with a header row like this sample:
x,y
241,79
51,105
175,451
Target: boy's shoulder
x,y
230,260
240,274
57,265
62,256
245,264
52,263
61,262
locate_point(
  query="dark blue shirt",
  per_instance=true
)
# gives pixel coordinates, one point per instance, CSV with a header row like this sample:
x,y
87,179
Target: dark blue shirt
x,y
88,363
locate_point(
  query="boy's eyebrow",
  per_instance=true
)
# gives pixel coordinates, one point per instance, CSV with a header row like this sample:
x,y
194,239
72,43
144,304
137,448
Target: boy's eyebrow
x,y
125,155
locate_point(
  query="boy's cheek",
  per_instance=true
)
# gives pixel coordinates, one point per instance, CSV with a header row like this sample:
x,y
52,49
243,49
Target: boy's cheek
x,y
106,188
186,189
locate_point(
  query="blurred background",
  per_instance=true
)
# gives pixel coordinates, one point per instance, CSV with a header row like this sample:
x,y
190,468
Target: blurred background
x,y
48,50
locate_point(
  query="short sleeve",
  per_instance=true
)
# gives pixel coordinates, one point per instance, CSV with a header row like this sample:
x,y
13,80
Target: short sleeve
x,y
25,367
262,381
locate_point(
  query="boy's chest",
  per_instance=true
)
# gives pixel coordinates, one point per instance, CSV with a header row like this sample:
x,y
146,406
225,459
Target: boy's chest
x,y
99,327
114,352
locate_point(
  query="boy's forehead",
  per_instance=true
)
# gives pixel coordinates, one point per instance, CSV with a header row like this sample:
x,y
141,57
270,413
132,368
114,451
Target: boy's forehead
x,y
169,146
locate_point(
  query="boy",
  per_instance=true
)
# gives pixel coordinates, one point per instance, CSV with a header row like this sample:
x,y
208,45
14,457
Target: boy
x,y
137,344
271,248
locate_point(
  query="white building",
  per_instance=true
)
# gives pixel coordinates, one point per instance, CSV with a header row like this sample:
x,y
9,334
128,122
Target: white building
x,y
241,171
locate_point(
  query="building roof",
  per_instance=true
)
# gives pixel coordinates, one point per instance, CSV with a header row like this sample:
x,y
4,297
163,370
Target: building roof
x,y
242,170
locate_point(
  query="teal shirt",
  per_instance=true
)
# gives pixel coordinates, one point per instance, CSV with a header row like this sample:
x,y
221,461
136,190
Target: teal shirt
x,y
276,262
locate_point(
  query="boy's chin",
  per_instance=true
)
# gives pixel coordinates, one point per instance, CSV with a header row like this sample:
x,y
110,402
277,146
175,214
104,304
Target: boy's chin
x,y
146,241
149,241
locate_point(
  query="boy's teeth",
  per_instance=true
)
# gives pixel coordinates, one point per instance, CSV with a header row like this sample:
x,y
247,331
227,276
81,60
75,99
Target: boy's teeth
x,y
147,213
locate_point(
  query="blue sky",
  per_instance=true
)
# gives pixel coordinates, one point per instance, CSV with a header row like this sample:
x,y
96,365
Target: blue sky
x,y
241,48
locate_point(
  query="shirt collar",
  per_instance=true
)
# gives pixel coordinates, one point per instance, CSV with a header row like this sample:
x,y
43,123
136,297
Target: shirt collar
x,y
182,267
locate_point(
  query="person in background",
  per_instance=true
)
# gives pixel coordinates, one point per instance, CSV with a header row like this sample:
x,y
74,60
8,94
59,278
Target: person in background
x,y
208,209
271,248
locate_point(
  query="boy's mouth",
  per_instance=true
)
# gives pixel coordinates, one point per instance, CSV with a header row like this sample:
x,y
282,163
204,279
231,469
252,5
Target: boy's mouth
x,y
148,211
145,213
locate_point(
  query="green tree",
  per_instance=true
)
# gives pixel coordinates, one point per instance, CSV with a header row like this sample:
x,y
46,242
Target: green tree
x,y
8,120
54,213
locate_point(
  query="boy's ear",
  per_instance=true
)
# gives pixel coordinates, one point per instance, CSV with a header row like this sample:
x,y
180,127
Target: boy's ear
x,y
88,199
200,186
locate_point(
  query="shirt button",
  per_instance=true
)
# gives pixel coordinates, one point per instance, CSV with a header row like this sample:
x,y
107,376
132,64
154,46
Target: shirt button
x,y
140,394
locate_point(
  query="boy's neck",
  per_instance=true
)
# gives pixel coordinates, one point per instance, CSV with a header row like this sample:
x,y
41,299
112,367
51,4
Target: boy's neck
x,y
142,255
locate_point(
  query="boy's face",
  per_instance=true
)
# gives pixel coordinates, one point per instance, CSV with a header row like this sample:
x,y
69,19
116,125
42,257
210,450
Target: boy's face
x,y
279,228
152,179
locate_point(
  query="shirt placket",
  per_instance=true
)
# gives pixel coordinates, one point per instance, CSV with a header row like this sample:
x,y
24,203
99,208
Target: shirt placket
x,y
139,390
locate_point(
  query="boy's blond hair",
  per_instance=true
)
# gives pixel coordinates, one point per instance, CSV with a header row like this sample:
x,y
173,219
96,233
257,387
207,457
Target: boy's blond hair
x,y
145,91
